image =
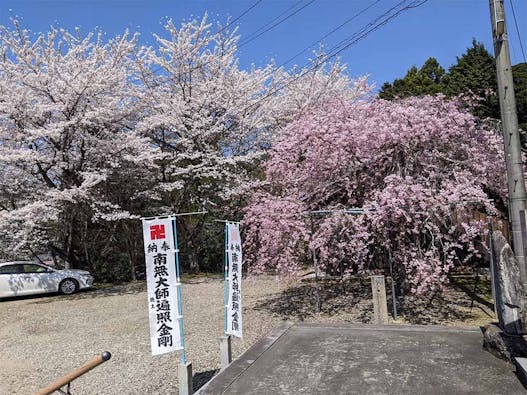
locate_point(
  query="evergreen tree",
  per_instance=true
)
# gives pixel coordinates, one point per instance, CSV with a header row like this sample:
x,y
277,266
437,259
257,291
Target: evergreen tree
x,y
475,73
519,73
416,82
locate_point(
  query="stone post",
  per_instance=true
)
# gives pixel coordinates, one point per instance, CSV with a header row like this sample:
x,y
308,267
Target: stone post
x,y
225,351
185,379
509,288
380,307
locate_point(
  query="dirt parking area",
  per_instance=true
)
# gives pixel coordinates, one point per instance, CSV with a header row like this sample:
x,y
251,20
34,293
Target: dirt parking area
x,y
44,337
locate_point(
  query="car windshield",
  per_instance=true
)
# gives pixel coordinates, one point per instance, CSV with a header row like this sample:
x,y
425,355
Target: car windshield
x,y
48,266
48,260
35,268
17,267
42,259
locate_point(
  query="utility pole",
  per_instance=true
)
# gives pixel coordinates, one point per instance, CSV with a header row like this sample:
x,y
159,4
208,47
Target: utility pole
x,y
511,137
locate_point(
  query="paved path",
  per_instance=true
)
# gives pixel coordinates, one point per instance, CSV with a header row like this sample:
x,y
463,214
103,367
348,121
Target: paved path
x,y
361,359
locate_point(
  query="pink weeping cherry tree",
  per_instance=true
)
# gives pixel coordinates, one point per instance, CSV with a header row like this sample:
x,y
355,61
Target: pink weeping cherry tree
x,y
417,166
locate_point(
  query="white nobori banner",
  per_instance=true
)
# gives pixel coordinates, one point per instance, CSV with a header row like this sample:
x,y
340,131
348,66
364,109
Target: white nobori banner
x,y
161,285
234,305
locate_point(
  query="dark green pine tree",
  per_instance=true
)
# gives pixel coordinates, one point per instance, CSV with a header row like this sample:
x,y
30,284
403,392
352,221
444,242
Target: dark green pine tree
x,y
416,82
519,73
475,72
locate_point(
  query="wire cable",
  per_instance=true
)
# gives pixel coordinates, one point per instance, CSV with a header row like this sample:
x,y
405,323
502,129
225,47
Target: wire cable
x,y
338,48
239,16
345,44
329,33
376,27
518,30
279,19
252,38
219,31
272,20
372,23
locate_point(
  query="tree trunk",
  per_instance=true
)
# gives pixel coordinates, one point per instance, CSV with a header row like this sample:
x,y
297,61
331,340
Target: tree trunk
x,y
69,245
193,262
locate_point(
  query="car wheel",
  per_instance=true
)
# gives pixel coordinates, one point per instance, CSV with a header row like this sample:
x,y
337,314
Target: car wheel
x,y
68,286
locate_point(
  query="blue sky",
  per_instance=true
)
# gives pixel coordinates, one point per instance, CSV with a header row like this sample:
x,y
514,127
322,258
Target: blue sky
x,y
439,28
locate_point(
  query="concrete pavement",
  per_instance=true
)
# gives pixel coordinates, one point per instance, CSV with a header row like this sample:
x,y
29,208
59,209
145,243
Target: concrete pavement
x,y
366,359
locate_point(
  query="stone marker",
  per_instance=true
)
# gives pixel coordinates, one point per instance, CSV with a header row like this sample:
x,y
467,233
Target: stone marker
x,y
506,340
380,308
509,289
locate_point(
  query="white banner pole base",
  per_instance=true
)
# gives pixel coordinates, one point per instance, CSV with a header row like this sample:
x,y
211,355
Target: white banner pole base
x,y
225,351
185,379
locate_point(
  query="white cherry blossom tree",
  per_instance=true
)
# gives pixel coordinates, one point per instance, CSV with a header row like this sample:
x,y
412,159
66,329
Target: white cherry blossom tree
x,y
66,111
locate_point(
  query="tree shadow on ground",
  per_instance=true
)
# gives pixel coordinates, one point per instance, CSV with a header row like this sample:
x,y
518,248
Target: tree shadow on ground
x,y
103,290
351,300
201,378
438,311
477,288
299,302
464,300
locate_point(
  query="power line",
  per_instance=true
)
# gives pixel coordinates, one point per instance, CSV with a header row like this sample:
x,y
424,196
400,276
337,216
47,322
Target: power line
x,y
372,23
219,31
239,16
252,37
376,27
273,20
329,33
282,17
518,30
257,33
345,44
337,49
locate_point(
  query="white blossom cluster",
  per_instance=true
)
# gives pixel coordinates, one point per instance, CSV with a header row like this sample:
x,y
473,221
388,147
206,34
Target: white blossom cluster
x,y
96,131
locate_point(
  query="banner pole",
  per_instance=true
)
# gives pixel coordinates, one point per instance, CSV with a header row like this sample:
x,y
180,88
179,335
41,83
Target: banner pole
x,y
180,304
226,276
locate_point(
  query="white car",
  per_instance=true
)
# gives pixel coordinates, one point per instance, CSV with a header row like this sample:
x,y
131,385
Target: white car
x,y
26,278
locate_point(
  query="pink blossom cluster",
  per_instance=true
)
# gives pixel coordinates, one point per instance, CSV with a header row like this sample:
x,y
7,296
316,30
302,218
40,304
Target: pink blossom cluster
x,y
416,166
277,230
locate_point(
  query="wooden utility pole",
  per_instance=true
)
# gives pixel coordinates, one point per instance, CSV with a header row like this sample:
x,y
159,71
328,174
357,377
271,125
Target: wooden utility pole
x,y
511,136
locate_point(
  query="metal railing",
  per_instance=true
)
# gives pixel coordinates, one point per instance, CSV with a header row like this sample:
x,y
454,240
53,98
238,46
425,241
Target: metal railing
x,y
65,381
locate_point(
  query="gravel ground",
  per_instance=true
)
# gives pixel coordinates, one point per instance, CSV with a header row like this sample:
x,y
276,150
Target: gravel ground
x,y
44,337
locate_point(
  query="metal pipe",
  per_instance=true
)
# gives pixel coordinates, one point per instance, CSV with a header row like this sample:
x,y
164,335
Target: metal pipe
x,y
318,301
191,213
394,297
492,266
179,301
175,215
226,276
354,210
